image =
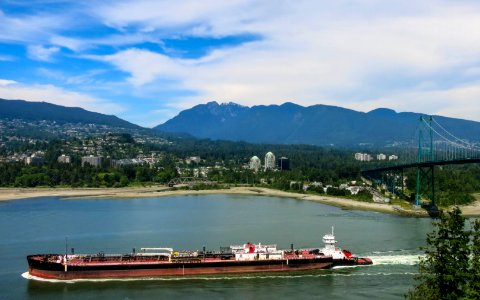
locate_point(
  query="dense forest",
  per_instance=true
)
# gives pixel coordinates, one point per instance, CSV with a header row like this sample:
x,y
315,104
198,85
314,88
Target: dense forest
x,y
454,184
225,161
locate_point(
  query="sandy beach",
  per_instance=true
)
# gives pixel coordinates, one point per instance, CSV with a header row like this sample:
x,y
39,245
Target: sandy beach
x,y
159,191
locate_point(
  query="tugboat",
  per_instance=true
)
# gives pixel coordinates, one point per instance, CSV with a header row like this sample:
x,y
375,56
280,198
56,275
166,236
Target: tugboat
x,y
341,257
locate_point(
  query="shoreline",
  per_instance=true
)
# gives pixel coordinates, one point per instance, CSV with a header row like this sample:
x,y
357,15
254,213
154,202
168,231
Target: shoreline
x,y
7,194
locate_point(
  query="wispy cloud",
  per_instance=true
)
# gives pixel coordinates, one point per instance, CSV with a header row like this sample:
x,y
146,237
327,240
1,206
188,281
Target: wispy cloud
x,y
459,102
39,52
35,28
359,54
6,58
311,52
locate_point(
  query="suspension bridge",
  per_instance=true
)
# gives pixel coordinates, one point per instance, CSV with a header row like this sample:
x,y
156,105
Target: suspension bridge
x,y
432,145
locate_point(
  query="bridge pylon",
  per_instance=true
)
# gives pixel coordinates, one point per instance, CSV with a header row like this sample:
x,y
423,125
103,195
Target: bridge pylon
x,y
425,153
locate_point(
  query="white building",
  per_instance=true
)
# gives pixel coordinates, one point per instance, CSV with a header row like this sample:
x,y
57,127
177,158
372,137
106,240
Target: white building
x,y
363,157
381,156
255,163
64,159
392,157
193,159
269,161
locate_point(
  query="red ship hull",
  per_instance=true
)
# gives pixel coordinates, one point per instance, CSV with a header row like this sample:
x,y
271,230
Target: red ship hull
x,y
53,270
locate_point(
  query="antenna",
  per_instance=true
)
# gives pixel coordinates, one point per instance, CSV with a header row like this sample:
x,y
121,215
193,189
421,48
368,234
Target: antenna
x,y
332,230
66,247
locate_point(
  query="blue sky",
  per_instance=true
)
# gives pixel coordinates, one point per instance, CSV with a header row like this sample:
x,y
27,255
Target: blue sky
x,y
145,61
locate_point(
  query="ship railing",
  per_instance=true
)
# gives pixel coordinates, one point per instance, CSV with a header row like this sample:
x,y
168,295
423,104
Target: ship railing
x,y
157,249
140,255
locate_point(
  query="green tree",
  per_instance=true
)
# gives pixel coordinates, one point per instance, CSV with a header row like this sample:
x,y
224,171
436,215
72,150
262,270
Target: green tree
x,y
446,269
474,290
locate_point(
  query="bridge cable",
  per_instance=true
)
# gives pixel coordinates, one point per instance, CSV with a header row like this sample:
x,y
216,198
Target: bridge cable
x,y
450,134
446,139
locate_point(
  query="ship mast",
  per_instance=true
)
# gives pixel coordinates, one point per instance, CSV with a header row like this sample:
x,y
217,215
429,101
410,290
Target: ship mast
x,y
66,248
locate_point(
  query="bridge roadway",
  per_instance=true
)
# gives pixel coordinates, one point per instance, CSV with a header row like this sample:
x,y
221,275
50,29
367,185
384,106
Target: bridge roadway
x,y
424,165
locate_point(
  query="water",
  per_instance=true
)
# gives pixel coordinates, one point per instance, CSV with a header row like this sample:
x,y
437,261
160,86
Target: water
x,y
191,222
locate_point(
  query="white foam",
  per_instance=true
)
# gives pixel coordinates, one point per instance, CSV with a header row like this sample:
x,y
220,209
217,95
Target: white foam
x,y
410,259
344,267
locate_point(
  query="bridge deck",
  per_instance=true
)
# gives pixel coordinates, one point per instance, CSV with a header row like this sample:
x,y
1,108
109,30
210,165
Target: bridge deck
x,y
424,164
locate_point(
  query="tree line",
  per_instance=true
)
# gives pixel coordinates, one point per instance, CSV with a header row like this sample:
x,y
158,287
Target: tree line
x,y
451,266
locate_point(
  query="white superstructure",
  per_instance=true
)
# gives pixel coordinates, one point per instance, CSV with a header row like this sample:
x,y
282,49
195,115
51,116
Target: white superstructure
x,y
331,250
251,251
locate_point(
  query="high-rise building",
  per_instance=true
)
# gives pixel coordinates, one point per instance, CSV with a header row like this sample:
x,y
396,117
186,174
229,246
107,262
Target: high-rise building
x,y
255,163
283,163
269,161
94,161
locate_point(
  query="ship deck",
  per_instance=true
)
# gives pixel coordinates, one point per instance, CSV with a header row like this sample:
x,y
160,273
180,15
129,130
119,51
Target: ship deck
x,y
113,259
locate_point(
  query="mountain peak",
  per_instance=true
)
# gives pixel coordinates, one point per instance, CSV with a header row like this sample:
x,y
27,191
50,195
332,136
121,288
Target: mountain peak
x,y
290,123
382,112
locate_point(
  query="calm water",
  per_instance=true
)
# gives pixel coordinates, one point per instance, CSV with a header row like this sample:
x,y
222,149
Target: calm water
x,y
190,222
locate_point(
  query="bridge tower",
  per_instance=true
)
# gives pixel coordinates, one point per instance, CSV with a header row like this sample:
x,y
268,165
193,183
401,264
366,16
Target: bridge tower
x,y
425,153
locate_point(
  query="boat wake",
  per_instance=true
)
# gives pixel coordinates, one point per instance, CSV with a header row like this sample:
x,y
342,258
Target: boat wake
x,y
333,273
396,260
396,257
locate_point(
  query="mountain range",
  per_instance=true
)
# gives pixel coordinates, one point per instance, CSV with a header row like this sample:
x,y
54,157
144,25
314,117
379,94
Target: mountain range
x,y
290,123
20,109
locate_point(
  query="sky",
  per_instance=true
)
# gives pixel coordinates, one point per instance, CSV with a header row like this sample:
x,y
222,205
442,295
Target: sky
x,y
145,61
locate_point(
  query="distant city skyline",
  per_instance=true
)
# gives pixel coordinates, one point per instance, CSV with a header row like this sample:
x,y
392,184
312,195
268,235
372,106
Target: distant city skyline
x,y
145,61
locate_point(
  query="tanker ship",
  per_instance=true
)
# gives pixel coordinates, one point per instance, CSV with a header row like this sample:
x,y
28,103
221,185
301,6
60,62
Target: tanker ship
x,y
155,262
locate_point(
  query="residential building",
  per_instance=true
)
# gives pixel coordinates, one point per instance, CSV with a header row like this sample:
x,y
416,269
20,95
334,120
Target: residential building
x,y
193,159
255,163
269,161
94,161
34,159
363,157
66,159
381,156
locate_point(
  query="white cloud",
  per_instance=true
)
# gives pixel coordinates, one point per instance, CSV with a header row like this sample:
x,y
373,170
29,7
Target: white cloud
x,y
342,53
13,90
311,51
146,66
5,82
197,17
460,102
32,28
38,52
